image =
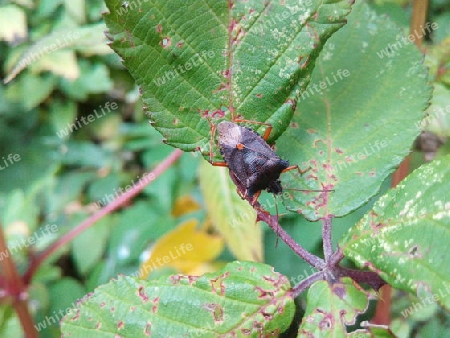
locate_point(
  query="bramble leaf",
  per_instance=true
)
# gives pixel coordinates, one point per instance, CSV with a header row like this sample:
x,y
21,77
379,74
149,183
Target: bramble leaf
x,y
243,299
358,117
405,237
220,58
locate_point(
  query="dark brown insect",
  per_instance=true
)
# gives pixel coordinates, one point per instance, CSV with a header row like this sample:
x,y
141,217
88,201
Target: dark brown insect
x,y
253,164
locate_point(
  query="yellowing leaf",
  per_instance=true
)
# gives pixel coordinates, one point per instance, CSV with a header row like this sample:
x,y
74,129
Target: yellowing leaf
x,y
185,205
184,248
233,217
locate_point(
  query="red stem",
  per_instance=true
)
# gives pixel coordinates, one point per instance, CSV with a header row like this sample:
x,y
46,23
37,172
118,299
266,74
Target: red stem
x,y
272,221
15,288
115,204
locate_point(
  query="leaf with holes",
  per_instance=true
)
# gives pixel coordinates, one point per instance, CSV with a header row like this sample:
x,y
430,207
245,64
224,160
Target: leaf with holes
x,y
243,299
220,58
357,119
332,307
405,237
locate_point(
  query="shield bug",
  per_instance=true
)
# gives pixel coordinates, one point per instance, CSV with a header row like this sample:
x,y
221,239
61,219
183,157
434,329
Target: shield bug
x,y
254,166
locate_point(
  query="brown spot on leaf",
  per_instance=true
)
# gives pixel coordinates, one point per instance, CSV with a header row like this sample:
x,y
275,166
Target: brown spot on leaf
x,y
142,294
414,252
155,302
148,329
216,310
159,28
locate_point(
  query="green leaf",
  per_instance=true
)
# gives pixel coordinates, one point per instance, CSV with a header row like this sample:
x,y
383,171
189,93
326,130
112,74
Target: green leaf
x,y
89,246
233,217
405,237
331,307
95,79
357,119
209,57
243,299
30,90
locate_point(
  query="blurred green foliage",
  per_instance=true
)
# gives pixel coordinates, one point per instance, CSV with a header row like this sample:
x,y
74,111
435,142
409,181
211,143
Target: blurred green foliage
x,y
63,176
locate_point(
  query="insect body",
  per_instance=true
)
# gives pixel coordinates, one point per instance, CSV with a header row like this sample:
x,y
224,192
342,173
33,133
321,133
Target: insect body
x,y
253,164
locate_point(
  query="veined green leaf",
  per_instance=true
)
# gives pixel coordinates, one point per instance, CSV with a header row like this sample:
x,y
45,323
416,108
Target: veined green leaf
x,y
243,299
405,237
221,58
358,117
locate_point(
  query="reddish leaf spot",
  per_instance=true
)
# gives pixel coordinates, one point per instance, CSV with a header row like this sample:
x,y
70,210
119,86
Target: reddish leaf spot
x,y
216,310
120,325
339,291
112,309
142,294
218,113
339,151
155,302
148,329
259,96
327,322
246,332
77,316
159,28
180,44
317,143
175,279
217,285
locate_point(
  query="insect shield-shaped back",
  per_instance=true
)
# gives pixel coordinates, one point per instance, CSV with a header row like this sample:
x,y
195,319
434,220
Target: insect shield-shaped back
x,y
253,165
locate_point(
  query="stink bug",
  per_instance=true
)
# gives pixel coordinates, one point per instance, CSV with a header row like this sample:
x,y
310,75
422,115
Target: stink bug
x,y
254,166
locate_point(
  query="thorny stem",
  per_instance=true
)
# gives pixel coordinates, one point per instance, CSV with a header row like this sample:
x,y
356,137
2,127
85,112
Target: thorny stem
x,y
118,202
